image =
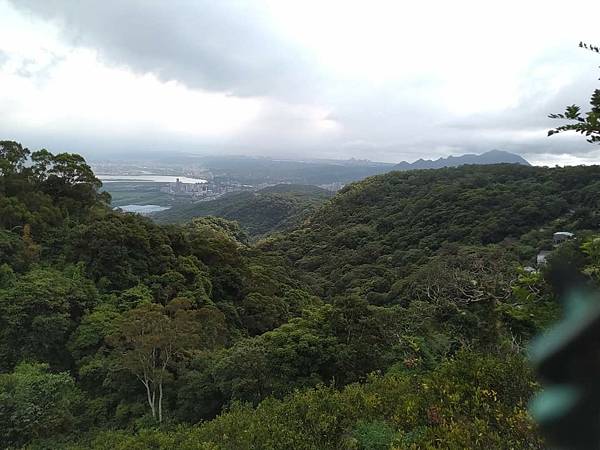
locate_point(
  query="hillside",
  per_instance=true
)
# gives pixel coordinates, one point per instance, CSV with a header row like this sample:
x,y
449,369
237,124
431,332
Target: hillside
x,y
275,208
382,228
491,157
395,316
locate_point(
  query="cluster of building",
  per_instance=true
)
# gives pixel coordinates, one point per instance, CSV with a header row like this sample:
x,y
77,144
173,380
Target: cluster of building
x,y
205,190
333,187
180,188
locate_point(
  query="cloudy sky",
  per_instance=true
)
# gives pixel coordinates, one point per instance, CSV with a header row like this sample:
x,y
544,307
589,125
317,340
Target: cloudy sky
x,y
384,80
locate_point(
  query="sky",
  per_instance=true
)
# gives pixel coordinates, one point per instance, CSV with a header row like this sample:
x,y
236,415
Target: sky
x,y
370,79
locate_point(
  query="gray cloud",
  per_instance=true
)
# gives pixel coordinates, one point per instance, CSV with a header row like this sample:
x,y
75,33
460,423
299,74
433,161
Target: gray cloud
x,y
215,45
233,47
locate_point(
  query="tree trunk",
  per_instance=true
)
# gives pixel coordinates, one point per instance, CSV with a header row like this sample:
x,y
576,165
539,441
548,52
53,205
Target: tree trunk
x,y
160,395
150,398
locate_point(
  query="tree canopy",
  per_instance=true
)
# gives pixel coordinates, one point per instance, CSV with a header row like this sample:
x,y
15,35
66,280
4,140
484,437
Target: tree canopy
x,y
395,314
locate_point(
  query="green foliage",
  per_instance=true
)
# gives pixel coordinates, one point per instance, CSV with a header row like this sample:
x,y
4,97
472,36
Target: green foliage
x,y
120,249
392,316
37,313
384,227
377,435
276,208
533,306
471,401
591,248
588,125
150,338
35,404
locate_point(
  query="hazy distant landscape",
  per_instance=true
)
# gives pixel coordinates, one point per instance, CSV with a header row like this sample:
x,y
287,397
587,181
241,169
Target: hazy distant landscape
x,y
284,225
128,186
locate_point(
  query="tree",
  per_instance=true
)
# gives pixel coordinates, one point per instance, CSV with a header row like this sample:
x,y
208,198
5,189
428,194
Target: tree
x,y
41,163
588,125
134,297
11,246
262,313
150,338
38,312
87,345
71,168
35,403
12,157
32,250
122,249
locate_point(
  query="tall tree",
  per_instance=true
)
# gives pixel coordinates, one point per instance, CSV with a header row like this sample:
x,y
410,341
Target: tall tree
x,y
12,157
150,339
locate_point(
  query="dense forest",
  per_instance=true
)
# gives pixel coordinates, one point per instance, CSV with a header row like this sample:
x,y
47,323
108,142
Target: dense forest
x,y
272,209
394,316
386,228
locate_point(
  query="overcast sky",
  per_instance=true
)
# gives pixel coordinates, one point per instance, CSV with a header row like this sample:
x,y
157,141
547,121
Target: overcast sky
x,y
384,80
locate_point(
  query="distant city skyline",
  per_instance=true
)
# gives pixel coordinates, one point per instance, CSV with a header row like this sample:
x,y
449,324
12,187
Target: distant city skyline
x,y
380,80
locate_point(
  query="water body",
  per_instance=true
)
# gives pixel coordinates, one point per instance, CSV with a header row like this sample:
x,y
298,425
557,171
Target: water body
x,y
143,209
148,179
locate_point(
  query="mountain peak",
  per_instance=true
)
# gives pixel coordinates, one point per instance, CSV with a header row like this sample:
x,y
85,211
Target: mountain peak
x,y
489,157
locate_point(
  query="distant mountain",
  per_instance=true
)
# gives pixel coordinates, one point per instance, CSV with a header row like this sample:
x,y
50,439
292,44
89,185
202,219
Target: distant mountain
x,y
491,157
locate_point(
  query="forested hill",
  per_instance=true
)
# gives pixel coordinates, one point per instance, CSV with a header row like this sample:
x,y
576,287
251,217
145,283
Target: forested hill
x,y
377,231
395,317
271,209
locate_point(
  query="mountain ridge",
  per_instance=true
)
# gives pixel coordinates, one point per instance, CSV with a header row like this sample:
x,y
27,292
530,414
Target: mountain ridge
x,y
490,157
